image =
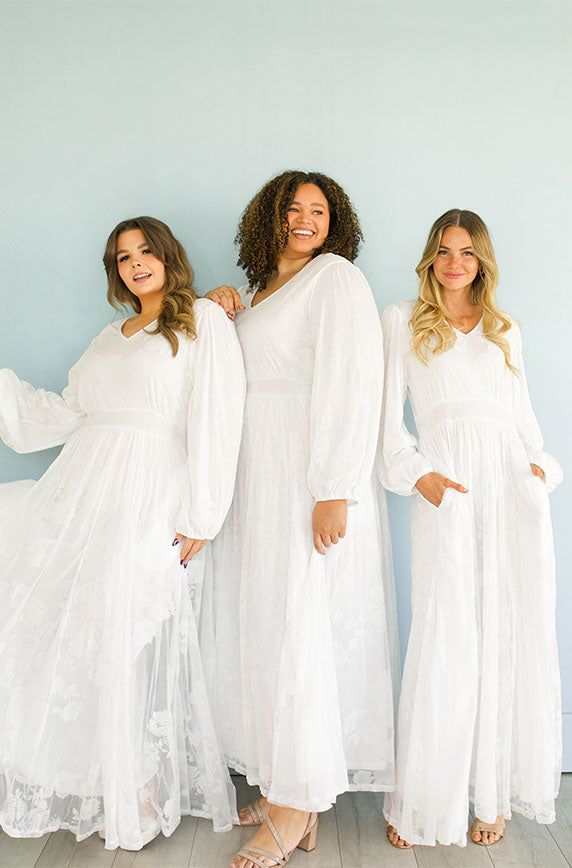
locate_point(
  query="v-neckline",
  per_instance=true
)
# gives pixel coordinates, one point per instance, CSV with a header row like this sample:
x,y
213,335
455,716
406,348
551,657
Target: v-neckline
x,y
284,285
466,334
138,332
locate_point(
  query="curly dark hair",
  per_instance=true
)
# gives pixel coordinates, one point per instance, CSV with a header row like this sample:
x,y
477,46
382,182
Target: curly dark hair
x,y
263,229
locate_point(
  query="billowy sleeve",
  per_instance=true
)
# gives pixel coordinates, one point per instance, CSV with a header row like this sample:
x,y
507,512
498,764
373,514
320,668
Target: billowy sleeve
x,y
347,384
214,425
34,419
526,422
400,464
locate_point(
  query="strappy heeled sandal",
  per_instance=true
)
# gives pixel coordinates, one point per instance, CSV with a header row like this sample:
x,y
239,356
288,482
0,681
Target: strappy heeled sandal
x,y
307,842
478,826
390,830
256,812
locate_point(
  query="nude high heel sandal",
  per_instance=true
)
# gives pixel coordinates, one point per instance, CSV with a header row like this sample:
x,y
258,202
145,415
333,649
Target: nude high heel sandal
x,y
256,812
307,842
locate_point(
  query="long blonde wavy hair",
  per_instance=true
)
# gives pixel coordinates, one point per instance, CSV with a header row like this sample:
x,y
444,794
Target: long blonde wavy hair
x,y
431,333
177,313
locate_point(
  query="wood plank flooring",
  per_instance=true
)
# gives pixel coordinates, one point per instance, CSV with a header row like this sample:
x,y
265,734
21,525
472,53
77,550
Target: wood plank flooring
x,y
351,835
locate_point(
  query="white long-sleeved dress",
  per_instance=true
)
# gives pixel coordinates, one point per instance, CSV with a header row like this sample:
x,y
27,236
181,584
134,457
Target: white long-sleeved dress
x,y
479,715
305,643
105,724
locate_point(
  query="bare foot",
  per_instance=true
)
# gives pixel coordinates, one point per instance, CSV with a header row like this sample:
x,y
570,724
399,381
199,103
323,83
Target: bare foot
x,y
393,838
253,811
487,833
290,825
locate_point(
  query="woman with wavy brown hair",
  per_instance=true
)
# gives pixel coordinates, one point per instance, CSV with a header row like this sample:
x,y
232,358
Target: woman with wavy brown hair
x,y
105,724
305,626
479,714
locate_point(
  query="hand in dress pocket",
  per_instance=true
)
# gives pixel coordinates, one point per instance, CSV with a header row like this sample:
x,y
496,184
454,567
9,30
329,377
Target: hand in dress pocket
x,y
538,471
433,486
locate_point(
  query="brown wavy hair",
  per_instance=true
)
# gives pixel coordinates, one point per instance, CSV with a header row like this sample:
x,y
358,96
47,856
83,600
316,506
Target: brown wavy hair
x,y
177,313
431,332
262,232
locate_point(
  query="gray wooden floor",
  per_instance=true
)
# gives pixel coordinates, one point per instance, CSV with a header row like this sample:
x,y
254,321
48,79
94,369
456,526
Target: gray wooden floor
x,y
351,835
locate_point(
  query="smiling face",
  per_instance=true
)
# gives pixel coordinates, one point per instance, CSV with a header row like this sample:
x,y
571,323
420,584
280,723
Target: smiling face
x,y
308,221
141,272
456,264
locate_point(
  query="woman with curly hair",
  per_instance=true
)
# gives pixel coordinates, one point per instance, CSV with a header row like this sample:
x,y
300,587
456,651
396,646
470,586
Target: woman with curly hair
x,y
479,714
105,723
305,625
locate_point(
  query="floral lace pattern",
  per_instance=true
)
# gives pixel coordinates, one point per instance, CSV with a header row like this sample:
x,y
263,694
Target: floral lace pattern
x,y
304,646
105,723
483,637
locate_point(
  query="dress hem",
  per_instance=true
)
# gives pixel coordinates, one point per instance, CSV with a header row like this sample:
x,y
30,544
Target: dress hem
x,y
461,842
14,833
308,807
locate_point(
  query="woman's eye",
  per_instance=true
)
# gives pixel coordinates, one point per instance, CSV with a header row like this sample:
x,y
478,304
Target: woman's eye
x,y
122,258
441,253
292,208
318,213
146,250
469,253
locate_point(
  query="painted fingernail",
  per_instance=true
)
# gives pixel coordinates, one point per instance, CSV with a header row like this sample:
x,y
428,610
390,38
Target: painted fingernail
x,y
186,565
175,542
181,563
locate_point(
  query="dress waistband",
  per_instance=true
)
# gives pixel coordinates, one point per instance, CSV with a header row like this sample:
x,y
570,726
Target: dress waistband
x,y
457,411
138,420
278,387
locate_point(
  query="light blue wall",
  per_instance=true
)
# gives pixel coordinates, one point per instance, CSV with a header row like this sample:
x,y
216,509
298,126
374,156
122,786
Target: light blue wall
x,y
181,110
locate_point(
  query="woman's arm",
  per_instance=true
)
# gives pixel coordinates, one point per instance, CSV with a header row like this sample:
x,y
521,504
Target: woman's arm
x,y
401,465
346,396
527,424
214,425
33,419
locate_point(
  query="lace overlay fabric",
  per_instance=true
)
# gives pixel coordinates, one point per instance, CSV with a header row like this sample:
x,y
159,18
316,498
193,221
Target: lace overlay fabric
x,y
304,645
105,721
479,715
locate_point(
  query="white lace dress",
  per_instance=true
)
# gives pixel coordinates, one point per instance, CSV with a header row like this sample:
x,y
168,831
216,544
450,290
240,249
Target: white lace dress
x,y
479,715
305,643
105,724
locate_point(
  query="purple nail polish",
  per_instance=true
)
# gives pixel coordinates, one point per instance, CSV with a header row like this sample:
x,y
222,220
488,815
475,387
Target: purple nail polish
x,y
175,542
181,563
186,565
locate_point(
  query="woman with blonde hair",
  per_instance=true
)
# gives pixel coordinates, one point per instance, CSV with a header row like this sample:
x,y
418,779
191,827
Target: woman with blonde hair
x,y
479,715
105,723
305,625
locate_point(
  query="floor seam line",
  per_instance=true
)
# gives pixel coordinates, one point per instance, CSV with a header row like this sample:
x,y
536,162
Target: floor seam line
x,y
193,843
558,845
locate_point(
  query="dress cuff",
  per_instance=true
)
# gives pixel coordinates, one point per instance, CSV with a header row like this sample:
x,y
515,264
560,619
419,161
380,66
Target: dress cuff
x,y
553,472
192,530
401,476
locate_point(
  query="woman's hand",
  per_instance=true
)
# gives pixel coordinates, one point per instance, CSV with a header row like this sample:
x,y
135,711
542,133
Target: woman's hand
x,y
189,547
228,298
329,521
432,487
538,471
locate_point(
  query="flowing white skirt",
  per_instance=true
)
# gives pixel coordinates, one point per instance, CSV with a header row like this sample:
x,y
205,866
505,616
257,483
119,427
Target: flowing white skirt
x,y
105,723
305,645
479,715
